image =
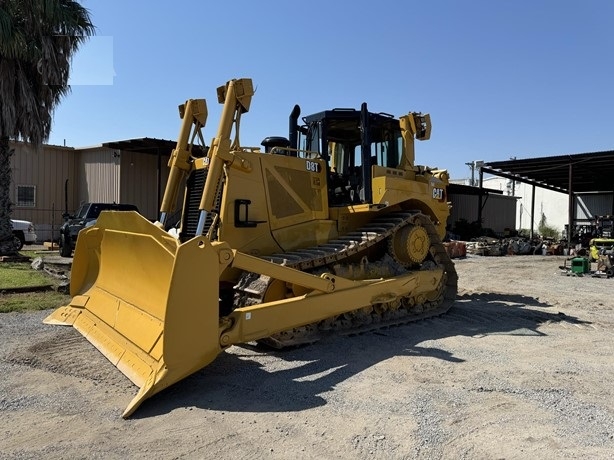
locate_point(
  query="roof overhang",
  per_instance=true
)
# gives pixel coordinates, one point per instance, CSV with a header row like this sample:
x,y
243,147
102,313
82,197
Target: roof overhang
x,y
143,145
582,172
461,189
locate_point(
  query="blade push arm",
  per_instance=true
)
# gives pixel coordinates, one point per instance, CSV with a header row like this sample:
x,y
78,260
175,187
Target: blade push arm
x,y
414,125
327,295
236,96
194,115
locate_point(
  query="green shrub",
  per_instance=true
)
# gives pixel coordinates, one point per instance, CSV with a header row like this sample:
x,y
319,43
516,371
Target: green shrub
x,y
546,231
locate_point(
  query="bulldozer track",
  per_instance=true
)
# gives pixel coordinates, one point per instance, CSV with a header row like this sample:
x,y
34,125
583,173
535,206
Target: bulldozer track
x,y
251,288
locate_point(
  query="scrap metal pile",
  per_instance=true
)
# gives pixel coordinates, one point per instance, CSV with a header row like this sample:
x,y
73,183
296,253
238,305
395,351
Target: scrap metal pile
x,y
488,246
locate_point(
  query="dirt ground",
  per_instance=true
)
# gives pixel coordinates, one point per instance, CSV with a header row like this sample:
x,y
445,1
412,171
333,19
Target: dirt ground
x,y
521,367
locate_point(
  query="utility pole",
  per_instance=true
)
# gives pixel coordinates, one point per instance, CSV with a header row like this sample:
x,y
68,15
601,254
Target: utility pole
x,y
513,181
473,165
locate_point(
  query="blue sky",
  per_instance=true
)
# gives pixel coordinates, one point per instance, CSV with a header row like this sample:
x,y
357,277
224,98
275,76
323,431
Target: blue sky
x,y
500,78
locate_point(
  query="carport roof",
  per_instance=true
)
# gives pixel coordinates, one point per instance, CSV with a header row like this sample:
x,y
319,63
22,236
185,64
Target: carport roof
x,y
588,172
148,145
143,145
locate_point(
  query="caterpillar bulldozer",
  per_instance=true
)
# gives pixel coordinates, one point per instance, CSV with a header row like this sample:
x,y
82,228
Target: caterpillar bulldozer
x,y
332,230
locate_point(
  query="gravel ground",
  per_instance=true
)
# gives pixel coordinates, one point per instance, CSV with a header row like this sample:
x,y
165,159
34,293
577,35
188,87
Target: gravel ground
x,y
521,367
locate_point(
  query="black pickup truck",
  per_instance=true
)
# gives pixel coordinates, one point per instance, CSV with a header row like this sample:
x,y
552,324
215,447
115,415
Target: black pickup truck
x,y
85,216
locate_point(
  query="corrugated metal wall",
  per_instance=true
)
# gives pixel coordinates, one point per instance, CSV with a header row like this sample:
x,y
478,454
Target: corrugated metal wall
x,y
98,176
46,169
139,181
94,174
595,204
463,207
498,212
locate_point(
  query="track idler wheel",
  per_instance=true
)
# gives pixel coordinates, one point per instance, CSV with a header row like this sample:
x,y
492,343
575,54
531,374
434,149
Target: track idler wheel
x,y
410,244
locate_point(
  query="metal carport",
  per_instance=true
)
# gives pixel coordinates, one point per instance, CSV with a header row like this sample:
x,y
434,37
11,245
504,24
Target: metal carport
x,y
569,174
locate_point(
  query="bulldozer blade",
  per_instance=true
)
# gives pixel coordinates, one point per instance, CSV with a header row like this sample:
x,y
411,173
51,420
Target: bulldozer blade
x,y
148,303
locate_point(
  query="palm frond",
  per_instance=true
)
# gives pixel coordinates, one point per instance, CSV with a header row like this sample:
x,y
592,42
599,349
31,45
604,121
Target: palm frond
x,y
37,41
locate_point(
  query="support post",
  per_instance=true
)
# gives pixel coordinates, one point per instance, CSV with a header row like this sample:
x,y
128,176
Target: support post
x,y
532,211
570,204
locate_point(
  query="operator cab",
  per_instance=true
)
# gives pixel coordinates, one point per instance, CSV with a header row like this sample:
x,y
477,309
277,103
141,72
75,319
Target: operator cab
x,y
350,141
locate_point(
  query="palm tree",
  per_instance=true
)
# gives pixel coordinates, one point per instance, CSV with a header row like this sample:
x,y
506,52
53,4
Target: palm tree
x,y
37,41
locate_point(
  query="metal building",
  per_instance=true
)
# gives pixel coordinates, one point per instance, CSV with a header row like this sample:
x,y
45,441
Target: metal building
x,y
495,210
52,180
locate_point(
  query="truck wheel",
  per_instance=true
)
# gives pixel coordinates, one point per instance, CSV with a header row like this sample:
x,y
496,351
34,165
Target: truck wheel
x,y
19,239
65,249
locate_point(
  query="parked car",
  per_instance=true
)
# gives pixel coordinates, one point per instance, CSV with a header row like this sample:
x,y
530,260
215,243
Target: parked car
x,y
23,231
85,216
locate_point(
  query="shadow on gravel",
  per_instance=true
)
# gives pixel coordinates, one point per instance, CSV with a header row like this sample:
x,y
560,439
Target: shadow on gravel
x,y
521,300
238,382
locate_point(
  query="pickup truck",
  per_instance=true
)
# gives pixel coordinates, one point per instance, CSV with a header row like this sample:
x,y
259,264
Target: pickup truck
x,y
85,216
24,232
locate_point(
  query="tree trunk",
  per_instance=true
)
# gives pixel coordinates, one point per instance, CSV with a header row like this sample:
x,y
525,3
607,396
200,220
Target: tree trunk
x,y
7,241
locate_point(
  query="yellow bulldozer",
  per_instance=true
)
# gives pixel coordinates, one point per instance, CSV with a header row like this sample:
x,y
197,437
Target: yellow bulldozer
x,y
331,230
